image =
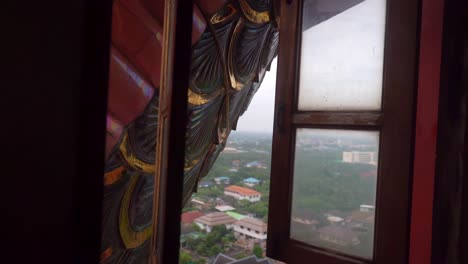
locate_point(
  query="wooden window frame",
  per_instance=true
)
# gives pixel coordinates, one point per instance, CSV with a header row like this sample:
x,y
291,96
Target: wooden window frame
x,y
177,48
395,121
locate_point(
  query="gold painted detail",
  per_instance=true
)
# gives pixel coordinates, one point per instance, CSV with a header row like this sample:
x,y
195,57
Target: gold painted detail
x,y
132,160
198,99
221,16
252,15
190,164
130,237
235,84
113,176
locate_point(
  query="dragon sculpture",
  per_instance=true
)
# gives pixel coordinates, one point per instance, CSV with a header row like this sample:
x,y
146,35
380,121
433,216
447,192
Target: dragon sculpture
x,y
233,45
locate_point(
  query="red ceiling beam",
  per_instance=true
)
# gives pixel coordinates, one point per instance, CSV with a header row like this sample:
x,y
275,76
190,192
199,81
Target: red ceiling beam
x,y
430,55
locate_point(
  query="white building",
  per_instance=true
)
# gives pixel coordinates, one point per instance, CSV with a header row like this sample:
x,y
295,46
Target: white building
x,y
367,208
208,221
224,208
251,182
366,157
334,219
222,180
251,228
241,193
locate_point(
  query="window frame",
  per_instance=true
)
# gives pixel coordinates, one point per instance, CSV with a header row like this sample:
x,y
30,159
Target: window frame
x,y
395,121
167,200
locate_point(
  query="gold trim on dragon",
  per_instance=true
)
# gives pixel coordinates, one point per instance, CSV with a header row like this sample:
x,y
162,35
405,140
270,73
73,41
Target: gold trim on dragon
x,y
130,237
219,18
198,99
132,160
252,15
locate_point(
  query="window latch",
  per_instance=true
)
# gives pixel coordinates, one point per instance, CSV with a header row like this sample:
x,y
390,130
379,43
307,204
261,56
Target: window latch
x,y
280,117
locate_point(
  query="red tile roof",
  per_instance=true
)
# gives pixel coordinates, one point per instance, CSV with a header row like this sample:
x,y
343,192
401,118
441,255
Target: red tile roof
x,y
241,190
217,218
188,217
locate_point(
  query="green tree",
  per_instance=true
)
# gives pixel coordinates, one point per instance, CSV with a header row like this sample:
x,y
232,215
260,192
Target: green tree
x,y
214,250
196,227
185,258
241,255
200,261
257,251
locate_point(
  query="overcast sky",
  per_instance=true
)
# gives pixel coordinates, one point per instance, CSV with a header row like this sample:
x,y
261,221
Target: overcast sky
x,y
259,115
343,59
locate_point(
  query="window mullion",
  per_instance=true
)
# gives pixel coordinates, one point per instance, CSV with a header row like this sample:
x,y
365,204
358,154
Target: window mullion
x,y
373,118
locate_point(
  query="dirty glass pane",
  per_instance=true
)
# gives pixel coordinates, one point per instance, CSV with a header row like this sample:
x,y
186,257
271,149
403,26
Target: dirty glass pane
x,y
342,55
334,189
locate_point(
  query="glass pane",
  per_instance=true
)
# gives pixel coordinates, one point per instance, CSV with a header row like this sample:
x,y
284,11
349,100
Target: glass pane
x,y
342,55
334,190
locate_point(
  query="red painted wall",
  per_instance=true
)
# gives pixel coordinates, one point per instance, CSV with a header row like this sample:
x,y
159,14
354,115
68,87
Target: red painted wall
x,y
426,130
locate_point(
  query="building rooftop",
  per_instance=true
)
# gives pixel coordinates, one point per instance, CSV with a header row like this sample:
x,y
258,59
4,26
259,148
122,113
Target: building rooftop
x,y
222,178
334,219
253,163
217,218
251,180
253,224
235,215
197,201
223,259
364,217
224,208
205,183
338,232
241,190
189,217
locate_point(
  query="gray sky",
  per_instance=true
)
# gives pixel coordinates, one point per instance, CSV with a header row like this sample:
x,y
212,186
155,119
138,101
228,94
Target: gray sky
x,y
259,115
341,57
342,60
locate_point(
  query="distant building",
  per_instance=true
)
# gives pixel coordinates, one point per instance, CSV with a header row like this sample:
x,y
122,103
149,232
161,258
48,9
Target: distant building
x,y
251,182
199,204
334,219
241,193
187,218
236,163
223,259
208,221
232,150
360,157
219,201
312,224
224,208
370,173
361,220
250,228
338,235
255,164
205,184
235,215
222,180
367,208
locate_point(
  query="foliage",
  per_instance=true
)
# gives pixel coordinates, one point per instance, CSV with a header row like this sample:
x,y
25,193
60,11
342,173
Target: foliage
x,y
212,192
241,255
217,241
257,251
323,184
185,258
196,227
